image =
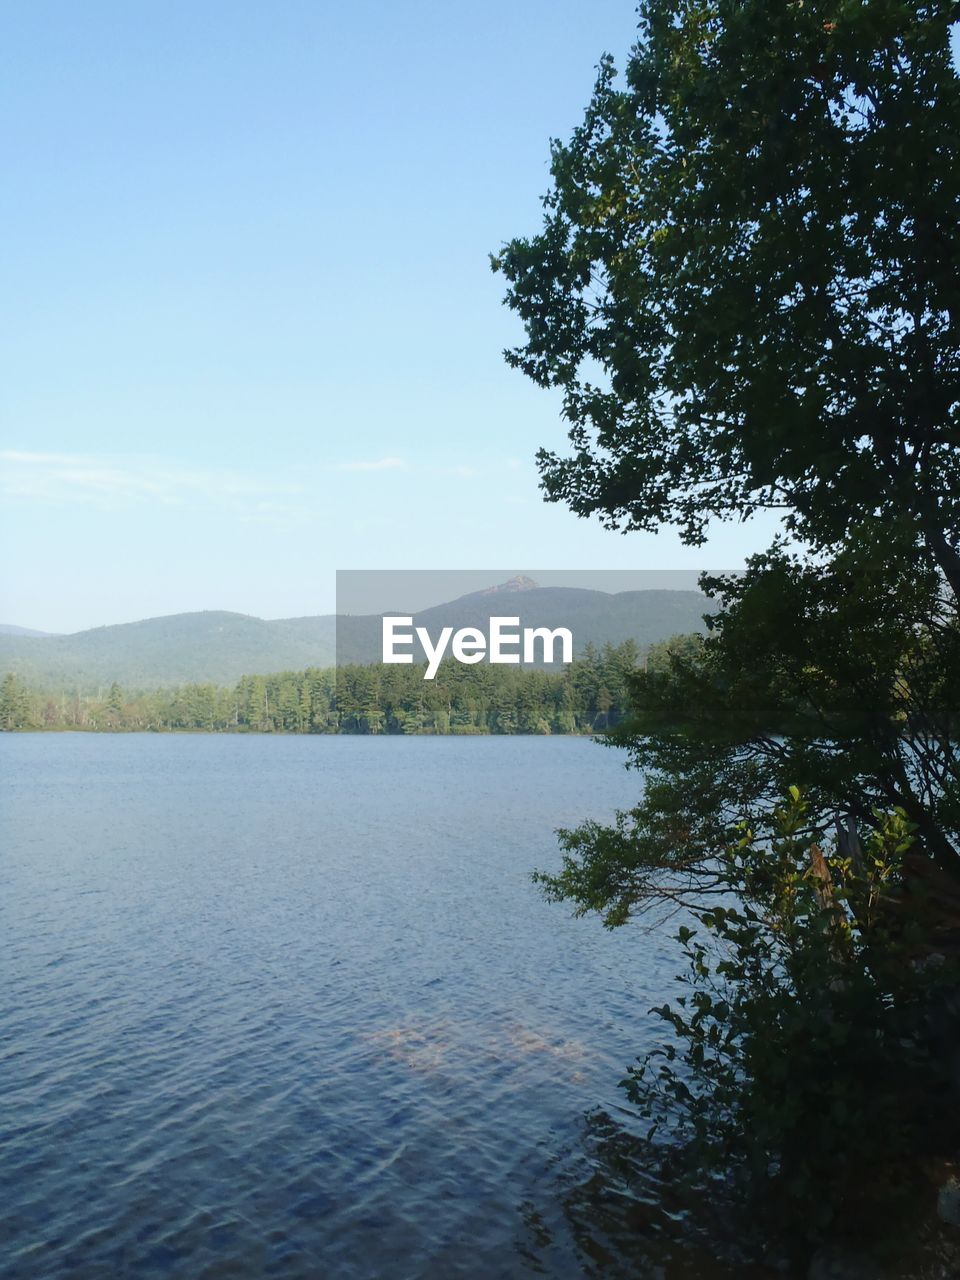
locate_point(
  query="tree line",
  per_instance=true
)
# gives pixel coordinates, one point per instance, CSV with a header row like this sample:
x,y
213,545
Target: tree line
x,y
588,695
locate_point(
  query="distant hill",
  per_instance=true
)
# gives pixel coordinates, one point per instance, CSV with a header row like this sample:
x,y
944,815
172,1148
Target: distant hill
x,y
220,647
594,617
216,647
8,629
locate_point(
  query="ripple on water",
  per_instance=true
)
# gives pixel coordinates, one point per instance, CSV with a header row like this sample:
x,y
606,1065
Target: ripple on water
x,y
292,1007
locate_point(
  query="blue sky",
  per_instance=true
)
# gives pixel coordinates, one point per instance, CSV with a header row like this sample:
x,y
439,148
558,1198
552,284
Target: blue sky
x,y
250,333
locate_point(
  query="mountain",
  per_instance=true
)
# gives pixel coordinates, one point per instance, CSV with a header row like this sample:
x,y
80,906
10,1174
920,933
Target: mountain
x,y
520,583
212,646
8,629
594,617
220,647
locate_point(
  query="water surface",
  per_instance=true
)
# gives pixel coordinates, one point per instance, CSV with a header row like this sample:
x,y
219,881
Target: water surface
x,y
291,1007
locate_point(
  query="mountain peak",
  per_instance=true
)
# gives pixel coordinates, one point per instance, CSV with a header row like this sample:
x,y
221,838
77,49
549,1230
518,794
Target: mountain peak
x,y
518,583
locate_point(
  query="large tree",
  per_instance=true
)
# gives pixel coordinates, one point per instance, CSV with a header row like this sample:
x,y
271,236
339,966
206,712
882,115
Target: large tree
x,y
747,288
747,284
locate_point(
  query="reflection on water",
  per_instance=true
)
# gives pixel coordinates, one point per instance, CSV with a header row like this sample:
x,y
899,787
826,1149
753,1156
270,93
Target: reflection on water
x,y
292,1008
626,1217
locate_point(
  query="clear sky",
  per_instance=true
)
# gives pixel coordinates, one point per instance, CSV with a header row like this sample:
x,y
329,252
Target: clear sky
x,y
250,334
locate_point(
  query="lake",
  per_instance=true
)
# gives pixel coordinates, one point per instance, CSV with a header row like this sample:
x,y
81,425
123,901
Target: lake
x,y
291,1007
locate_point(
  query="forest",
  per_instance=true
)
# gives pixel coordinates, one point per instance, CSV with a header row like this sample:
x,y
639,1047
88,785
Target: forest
x,y
588,696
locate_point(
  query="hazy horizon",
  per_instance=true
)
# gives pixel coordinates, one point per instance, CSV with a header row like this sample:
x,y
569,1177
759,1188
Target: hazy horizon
x,y
424,589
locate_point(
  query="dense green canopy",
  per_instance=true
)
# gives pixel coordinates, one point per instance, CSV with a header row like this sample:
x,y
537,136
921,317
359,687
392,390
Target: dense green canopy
x,y
747,283
747,288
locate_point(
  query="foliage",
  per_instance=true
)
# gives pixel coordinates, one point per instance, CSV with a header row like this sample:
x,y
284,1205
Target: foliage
x,y
15,710
590,695
800,1060
746,283
746,289
845,679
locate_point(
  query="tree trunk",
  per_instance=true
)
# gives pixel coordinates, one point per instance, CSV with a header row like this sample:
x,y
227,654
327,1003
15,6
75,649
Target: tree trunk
x,y
948,558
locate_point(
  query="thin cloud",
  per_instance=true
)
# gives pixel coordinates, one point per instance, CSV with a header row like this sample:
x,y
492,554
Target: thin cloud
x,y
66,478
61,459
114,483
